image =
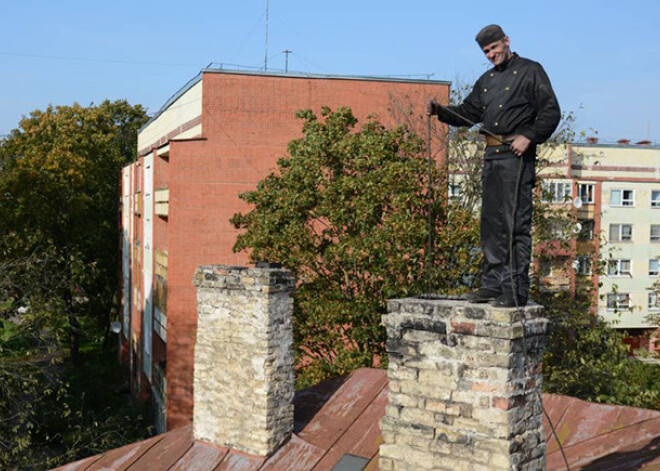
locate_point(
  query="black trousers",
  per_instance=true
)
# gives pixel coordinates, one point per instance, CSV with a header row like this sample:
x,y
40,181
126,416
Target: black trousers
x,y
499,181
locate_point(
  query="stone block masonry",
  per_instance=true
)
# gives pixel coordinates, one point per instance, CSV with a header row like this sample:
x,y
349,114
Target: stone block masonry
x,y
463,394
243,367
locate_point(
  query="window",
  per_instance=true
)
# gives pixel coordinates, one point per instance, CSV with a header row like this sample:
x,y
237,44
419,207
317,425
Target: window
x,y
557,229
618,267
584,265
618,301
622,198
654,304
654,267
556,192
587,229
620,232
586,192
454,190
655,199
655,232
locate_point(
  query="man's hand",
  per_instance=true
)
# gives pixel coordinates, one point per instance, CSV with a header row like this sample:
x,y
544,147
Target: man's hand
x,y
432,107
519,145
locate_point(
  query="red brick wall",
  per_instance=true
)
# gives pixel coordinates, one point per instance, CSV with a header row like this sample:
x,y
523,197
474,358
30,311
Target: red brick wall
x,y
246,123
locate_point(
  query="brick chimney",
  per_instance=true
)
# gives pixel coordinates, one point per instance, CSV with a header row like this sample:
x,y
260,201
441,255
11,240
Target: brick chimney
x,y
243,377
462,396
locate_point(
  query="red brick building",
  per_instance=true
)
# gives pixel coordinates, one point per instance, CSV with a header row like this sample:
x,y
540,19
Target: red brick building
x,y
215,138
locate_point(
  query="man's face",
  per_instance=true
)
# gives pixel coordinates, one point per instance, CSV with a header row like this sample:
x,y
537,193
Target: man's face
x,y
498,52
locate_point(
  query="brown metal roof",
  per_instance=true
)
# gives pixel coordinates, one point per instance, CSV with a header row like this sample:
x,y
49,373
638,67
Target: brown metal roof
x,y
342,416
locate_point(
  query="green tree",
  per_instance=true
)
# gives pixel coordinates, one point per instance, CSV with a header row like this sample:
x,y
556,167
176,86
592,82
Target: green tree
x,y
59,187
587,358
348,212
58,209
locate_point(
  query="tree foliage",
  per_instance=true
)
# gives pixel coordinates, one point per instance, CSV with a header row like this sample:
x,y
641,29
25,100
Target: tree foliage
x,y
59,186
53,412
587,358
58,211
348,212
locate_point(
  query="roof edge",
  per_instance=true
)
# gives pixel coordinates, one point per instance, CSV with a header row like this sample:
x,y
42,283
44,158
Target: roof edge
x,y
615,145
193,81
303,75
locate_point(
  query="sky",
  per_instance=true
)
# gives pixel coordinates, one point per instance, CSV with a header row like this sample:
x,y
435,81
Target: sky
x,y
603,57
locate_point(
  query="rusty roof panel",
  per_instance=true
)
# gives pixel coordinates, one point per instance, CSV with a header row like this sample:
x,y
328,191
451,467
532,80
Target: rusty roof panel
x,y
618,446
201,457
342,416
79,465
555,406
295,454
584,420
168,450
309,401
609,449
645,459
344,407
121,458
363,436
236,461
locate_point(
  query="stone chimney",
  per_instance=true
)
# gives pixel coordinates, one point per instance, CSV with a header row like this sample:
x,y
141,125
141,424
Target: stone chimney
x,y
243,379
463,396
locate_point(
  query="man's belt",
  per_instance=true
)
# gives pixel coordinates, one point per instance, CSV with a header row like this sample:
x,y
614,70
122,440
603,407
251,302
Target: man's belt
x,y
496,140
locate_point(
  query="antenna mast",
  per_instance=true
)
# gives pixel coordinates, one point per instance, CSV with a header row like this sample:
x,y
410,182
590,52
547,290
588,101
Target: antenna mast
x,y
286,59
266,55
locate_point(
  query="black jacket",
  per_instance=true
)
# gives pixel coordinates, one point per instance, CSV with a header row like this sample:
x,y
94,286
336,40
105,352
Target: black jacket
x,y
514,98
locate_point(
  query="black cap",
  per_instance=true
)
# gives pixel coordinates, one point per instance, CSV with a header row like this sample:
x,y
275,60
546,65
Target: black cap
x,y
489,34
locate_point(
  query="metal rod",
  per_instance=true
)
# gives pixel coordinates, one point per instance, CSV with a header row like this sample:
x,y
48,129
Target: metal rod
x,y
429,261
472,123
286,59
266,54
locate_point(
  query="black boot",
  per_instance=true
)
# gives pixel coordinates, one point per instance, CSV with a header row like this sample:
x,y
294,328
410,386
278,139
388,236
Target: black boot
x,y
482,295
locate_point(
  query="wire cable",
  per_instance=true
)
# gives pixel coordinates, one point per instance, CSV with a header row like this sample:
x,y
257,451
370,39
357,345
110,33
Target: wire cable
x,y
301,58
82,59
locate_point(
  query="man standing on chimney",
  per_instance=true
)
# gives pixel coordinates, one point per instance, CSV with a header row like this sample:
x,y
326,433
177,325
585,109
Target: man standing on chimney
x,y
518,110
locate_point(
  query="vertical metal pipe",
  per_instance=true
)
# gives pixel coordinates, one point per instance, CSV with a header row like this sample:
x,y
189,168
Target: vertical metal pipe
x,y
266,54
429,255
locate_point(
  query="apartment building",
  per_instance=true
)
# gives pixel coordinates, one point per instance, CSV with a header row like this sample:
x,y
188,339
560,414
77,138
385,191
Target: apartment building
x,y
215,138
614,192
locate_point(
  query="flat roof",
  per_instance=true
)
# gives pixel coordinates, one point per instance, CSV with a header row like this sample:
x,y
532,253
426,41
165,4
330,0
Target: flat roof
x,y
617,145
275,73
371,78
